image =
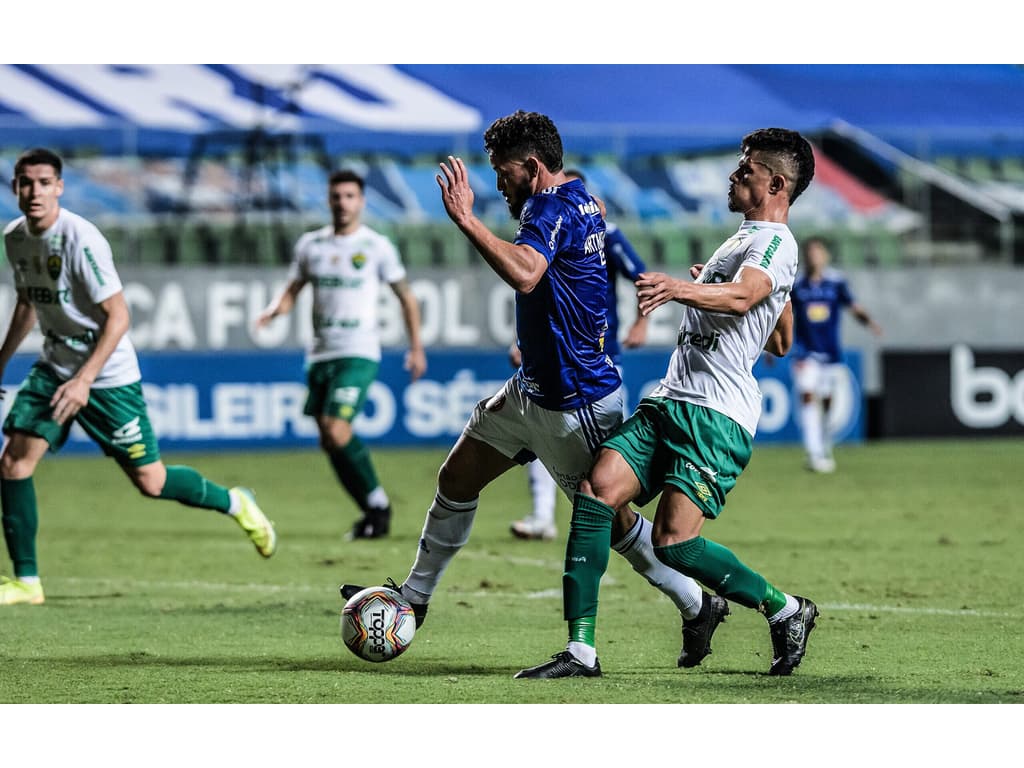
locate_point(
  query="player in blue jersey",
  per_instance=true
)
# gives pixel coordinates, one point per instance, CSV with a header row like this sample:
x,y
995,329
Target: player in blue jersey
x,y
622,261
819,297
566,395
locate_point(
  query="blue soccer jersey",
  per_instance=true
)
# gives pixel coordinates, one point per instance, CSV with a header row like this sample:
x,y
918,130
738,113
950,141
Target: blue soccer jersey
x,y
561,323
622,261
817,307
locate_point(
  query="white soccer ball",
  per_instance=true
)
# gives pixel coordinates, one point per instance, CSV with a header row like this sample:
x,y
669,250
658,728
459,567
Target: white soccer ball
x,y
377,624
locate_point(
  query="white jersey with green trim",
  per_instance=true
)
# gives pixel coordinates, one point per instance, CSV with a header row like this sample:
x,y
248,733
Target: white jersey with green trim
x,y
66,272
715,353
347,273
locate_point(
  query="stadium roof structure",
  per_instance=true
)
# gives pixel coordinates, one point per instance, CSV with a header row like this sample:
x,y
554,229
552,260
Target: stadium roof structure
x,y
161,109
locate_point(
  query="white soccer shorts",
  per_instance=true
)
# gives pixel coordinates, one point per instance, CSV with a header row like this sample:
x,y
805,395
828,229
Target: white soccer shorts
x,y
817,378
563,441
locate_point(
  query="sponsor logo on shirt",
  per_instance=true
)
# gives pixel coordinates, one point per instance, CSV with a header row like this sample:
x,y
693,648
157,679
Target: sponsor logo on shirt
x,y
38,294
95,267
554,233
707,342
769,252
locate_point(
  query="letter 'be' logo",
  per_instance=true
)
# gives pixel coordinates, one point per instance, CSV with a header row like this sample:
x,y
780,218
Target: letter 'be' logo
x,y
1003,395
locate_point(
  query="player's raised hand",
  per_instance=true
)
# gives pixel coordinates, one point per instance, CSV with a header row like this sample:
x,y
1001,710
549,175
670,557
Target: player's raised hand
x,y
654,289
456,193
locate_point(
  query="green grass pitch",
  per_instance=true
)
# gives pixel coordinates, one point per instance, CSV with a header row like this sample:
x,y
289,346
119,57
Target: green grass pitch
x,y
912,551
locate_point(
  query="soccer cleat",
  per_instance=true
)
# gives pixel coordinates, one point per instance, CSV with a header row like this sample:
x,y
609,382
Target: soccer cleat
x,y
252,520
697,631
789,637
16,591
823,465
531,528
375,524
562,664
419,610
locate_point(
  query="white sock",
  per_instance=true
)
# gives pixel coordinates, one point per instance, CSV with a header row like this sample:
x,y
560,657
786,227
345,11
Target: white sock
x,y
543,491
235,503
445,531
585,653
638,550
785,613
377,499
29,579
810,428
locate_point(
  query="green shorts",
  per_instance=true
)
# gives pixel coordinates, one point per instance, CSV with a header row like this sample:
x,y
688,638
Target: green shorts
x,y
115,418
696,449
338,387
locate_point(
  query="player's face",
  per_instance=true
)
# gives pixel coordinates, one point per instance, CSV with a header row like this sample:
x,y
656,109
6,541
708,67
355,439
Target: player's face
x,y
515,182
346,201
817,257
39,189
749,183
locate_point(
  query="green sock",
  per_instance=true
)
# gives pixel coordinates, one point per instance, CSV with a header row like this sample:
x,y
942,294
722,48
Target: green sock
x,y
718,568
586,560
354,468
582,630
21,523
187,486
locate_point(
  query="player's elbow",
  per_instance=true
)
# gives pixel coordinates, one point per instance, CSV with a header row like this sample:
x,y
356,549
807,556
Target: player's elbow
x,y
780,346
526,280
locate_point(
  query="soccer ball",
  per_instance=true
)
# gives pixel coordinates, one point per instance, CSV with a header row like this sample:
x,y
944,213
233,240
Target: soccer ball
x,y
377,624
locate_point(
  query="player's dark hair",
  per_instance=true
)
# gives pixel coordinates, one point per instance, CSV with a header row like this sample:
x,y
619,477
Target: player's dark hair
x,y
38,156
820,240
576,173
525,133
346,175
793,152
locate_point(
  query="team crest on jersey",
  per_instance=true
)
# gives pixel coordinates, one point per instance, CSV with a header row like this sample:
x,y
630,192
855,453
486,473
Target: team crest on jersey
x,y
359,260
53,265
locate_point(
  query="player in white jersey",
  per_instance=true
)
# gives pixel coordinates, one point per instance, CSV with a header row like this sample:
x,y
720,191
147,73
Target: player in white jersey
x,y
347,263
689,440
87,373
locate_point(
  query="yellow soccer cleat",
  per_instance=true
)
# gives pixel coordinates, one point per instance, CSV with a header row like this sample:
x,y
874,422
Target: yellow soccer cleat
x,y
259,529
15,591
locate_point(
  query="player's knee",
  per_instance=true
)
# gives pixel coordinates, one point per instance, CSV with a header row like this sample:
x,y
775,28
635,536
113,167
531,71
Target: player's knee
x,y
148,487
15,467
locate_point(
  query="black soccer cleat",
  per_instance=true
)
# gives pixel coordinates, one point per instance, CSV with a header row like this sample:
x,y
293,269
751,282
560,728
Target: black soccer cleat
x,y
419,610
562,664
697,631
374,524
789,637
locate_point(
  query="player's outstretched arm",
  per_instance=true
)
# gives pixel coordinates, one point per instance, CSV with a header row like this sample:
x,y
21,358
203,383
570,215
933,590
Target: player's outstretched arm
x,y
518,265
865,319
735,298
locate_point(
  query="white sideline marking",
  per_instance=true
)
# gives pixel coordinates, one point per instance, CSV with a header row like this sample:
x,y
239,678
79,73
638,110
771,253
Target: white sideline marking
x,y
859,607
544,594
